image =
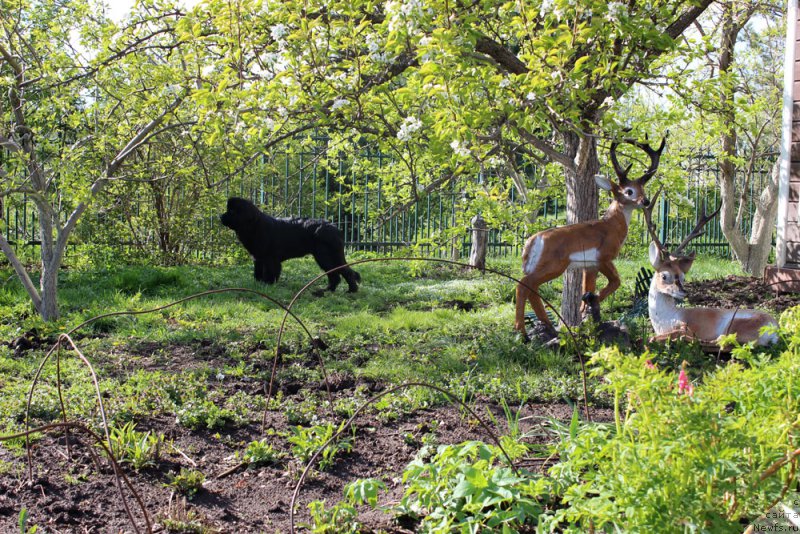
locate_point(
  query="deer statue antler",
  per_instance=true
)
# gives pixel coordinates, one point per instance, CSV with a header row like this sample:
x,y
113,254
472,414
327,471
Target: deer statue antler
x,y
655,157
648,219
697,231
622,174
653,153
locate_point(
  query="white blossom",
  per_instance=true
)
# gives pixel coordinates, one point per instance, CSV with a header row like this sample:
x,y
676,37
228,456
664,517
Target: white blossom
x,y
685,200
505,82
276,60
545,7
615,10
405,13
495,161
458,149
530,96
376,49
409,126
278,31
372,43
339,103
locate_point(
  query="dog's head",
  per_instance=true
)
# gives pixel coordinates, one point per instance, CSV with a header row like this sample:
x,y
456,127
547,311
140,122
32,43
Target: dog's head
x,y
240,214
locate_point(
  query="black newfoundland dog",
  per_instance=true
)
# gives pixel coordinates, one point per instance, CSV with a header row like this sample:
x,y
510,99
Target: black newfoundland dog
x,y
270,241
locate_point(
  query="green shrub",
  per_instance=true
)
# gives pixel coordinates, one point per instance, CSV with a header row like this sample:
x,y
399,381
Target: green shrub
x,y
466,488
681,458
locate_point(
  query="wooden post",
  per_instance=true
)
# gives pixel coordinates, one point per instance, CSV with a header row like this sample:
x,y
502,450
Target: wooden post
x,y
480,237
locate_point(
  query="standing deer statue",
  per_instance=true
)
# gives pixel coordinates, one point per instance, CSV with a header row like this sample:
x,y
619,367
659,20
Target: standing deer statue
x,y
591,246
704,325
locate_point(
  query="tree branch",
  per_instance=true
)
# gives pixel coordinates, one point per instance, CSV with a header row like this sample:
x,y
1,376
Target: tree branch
x,y
22,274
269,144
675,29
111,169
9,144
501,55
546,148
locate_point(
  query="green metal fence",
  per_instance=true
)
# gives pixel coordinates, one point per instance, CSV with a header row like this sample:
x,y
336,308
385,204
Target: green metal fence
x,y
308,184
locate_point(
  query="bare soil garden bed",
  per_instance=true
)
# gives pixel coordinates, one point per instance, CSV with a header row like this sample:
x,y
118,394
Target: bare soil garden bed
x,y
739,292
70,495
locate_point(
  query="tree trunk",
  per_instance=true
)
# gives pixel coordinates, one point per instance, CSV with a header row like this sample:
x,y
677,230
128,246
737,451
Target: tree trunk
x,y
52,253
755,254
751,253
49,292
582,198
50,262
480,235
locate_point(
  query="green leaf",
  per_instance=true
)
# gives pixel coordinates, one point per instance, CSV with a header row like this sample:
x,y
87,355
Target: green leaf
x,y
574,423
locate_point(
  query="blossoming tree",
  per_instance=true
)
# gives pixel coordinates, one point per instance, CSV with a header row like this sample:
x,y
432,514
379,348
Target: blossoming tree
x,y
81,98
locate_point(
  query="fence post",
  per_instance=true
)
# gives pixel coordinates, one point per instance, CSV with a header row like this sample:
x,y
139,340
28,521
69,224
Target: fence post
x,y
480,233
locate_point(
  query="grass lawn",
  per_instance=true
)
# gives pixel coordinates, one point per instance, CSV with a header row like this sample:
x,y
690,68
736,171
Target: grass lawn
x,y
409,321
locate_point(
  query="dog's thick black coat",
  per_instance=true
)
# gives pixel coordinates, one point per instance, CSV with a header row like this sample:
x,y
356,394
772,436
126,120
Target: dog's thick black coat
x,y
271,240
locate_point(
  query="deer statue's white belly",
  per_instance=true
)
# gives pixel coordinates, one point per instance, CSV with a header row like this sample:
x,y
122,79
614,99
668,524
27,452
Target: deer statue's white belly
x,y
584,259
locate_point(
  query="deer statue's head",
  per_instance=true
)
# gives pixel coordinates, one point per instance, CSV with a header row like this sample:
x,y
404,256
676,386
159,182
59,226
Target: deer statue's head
x,y
629,193
670,271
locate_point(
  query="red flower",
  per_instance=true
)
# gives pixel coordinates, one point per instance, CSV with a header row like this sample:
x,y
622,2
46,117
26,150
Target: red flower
x,y
649,364
684,385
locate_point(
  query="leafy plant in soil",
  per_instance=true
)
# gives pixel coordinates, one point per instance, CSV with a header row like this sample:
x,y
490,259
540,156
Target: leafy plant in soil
x,y
342,517
203,413
339,519
139,449
260,453
305,412
306,441
179,519
465,488
188,482
23,523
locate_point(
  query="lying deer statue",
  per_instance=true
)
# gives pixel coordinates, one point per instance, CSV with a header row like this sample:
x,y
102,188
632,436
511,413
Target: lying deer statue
x,y
705,325
591,246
